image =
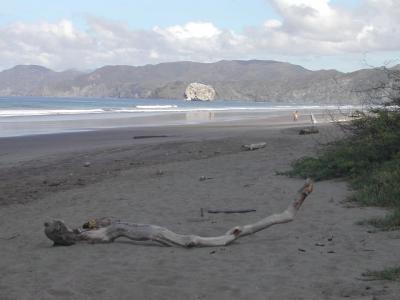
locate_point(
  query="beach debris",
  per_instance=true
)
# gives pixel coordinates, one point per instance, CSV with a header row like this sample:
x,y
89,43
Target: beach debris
x,y
54,183
203,178
320,244
367,279
80,181
301,250
106,230
97,223
248,185
201,212
160,172
10,237
137,137
86,164
251,147
308,130
230,211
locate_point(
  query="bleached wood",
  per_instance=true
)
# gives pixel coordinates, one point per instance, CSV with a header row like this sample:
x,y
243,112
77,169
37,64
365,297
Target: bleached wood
x,y
255,146
109,230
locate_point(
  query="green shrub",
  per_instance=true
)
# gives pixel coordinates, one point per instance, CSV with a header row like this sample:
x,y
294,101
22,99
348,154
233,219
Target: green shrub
x,y
381,187
392,273
342,160
373,140
389,222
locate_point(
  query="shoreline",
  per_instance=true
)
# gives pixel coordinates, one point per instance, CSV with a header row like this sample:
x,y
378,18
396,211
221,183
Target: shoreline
x,y
54,124
25,147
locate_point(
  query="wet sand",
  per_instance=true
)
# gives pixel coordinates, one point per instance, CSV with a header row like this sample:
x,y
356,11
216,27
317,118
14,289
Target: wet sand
x,y
151,175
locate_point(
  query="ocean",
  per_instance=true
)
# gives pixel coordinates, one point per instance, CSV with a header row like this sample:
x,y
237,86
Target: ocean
x,y
45,115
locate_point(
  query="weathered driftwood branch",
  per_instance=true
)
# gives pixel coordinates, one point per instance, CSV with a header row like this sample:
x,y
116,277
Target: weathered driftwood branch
x,y
251,147
107,230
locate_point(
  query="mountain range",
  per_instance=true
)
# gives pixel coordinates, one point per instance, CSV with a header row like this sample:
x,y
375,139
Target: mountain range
x,y
252,80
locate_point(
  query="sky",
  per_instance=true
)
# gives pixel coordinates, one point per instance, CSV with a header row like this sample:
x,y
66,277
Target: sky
x,y
87,34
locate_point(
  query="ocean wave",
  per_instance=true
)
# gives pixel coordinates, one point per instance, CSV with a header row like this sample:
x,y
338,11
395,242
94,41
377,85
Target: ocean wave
x,y
155,106
46,112
162,109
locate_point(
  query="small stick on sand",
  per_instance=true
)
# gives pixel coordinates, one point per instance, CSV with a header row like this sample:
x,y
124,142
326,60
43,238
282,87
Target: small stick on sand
x,y
10,237
230,211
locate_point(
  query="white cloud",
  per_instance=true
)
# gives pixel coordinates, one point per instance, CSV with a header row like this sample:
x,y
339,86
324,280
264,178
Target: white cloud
x,y
197,30
312,27
273,24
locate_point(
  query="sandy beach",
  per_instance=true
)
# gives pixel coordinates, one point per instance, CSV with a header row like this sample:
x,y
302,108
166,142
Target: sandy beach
x,y
151,175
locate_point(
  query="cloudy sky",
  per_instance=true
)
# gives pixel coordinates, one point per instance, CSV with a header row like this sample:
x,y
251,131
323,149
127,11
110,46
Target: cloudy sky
x,y
86,34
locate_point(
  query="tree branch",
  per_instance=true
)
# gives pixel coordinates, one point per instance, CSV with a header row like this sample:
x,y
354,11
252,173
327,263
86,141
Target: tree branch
x,y
107,230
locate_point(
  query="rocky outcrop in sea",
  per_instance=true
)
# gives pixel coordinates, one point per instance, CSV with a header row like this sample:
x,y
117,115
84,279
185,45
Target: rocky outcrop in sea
x,y
199,92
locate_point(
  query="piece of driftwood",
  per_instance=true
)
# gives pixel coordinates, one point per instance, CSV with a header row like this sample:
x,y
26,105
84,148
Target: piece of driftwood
x,y
309,130
107,230
203,178
138,137
230,211
10,237
251,147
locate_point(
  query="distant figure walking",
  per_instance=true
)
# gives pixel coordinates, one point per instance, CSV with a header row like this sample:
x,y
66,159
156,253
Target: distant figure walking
x,y
313,119
295,115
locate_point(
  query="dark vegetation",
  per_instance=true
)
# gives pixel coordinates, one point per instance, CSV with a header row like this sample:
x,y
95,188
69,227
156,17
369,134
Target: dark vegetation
x,y
387,274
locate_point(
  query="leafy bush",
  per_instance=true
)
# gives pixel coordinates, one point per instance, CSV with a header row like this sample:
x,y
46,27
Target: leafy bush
x,y
388,222
392,273
381,187
373,140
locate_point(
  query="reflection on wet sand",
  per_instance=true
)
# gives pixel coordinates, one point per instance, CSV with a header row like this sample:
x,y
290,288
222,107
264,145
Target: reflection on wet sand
x,y
199,115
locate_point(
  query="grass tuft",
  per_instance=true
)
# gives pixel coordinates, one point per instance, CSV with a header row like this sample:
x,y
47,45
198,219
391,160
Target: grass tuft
x,y
392,274
386,223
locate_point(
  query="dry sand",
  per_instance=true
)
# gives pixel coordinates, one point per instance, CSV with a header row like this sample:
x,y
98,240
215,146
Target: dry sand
x,y
321,255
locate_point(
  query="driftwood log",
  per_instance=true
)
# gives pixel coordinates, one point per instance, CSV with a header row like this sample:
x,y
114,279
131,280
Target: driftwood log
x,y
308,130
252,147
107,230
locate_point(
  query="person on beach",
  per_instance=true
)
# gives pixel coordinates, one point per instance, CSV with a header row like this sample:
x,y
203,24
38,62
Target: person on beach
x,y
313,119
295,116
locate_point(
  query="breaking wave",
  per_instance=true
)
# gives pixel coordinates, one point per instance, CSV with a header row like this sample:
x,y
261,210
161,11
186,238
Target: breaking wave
x,y
26,106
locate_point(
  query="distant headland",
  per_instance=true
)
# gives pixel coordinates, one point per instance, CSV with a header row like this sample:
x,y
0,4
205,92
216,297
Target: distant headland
x,y
252,80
